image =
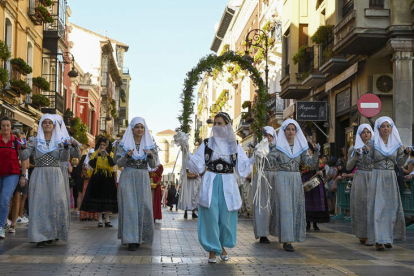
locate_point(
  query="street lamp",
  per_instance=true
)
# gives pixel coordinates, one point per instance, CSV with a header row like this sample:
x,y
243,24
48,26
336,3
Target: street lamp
x,y
250,42
73,74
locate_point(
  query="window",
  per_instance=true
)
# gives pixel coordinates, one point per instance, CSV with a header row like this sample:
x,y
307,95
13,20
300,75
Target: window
x,y
105,70
29,61
376,3
8,39
103,124
286,52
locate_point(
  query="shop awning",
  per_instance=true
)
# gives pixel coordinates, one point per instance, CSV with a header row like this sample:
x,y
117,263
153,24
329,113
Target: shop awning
x,y
24,119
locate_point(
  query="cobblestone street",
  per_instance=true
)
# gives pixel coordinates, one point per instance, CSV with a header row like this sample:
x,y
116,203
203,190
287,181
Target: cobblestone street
x,y
176,251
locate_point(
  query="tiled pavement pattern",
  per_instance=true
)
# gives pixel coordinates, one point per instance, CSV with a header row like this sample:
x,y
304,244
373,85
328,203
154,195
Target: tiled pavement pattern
x,y
176,251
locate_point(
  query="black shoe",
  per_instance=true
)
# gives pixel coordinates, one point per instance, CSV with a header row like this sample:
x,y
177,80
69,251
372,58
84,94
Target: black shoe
x,y
108,224
171,208
40,244
185,214
49,242
264,240
133,246
315,227
194,216
100,225
288,247
379,247
388,245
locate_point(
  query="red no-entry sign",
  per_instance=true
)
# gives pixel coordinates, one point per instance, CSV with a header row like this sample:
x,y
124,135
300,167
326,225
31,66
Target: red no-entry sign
x,y
369,105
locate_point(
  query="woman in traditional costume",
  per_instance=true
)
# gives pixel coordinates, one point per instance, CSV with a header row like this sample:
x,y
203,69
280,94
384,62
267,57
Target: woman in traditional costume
x,y
261,214
135,153
219,194
288,220
361,181
87,171
101,194
155,177
385,212
48,201
189,195
316,202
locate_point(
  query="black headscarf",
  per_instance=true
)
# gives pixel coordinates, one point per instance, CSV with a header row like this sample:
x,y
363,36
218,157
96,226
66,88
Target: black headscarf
x,y
105,140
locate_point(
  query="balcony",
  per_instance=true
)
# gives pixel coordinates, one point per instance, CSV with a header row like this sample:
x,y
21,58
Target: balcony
x,y
56,103
275,105
358,38
33,14
55,31
241,126
311,76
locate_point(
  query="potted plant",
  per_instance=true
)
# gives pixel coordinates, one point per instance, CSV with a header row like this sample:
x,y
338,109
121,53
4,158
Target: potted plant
x,y
21,66
4,51
40,100
300,55
44,14
322,34
20,86
41,83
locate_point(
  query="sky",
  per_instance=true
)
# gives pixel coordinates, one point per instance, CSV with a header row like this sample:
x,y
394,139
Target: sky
x,y
166,39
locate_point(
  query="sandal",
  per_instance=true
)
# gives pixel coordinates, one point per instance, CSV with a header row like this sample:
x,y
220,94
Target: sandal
x,y
379,247
388,245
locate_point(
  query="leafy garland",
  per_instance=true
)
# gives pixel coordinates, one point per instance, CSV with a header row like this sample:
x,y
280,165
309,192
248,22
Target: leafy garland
x,y
215,63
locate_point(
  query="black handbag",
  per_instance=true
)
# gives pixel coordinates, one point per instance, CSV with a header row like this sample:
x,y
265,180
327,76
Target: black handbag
x,y
72,183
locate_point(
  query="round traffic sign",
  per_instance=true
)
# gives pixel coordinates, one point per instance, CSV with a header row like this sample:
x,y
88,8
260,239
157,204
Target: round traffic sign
x,y
369,105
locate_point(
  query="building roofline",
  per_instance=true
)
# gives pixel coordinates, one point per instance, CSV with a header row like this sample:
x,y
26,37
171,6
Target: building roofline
x,y
222,29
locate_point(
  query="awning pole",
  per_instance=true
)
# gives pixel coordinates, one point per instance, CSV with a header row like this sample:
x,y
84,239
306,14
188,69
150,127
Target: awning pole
x,y
327,136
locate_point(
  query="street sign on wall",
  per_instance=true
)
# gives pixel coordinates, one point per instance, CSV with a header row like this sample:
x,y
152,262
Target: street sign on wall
x,y
369,105
311,111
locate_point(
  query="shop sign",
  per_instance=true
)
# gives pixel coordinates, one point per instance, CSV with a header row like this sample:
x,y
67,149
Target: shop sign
x,y
311,111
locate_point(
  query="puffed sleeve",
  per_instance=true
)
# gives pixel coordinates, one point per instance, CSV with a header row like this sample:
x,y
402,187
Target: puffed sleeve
x,y
402,157
30,149
121,157
64,153
352,161
310,161
244,164
153,162
196,162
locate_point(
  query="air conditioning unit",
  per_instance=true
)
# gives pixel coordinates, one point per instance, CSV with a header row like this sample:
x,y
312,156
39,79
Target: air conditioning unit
x,y
383,84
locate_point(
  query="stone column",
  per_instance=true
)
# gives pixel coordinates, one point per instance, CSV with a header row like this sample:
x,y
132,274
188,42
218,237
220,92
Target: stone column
x,y
402,61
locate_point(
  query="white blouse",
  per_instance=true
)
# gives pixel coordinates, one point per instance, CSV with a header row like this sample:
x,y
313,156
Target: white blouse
x,y
243,168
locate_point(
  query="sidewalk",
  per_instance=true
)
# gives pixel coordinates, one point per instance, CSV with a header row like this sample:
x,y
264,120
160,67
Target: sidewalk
x,y
176,251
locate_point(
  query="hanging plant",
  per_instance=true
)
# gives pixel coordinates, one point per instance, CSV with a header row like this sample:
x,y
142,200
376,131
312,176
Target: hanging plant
x,y
21,86
246,104
200,106
209,64
80,131
322,34
122,95
20,65
229,80
4,51
300,55
42,83
4,77
40,100
259,56
44,14
46,3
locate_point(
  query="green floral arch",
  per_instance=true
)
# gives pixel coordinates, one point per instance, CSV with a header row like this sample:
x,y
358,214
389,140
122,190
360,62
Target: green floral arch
x,y
207,64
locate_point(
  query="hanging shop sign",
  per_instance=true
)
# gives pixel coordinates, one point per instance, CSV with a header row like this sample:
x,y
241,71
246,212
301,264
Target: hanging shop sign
x,y
311,111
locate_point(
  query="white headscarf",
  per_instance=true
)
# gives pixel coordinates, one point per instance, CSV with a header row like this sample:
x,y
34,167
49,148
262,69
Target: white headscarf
x,y
300,143
394,141
223,140
128,142
90,152
62,127
55,140
358,141
270,130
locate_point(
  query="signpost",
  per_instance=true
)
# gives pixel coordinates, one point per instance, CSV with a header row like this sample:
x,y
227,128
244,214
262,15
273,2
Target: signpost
x,y
369,105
